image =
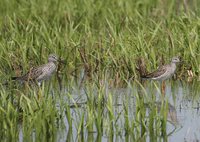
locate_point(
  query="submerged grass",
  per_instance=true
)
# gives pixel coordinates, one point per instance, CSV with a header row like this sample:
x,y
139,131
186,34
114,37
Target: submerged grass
x,y
101,42
33,118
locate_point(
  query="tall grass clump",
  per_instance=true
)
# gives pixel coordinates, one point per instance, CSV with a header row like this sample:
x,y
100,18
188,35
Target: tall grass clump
x,y
99,36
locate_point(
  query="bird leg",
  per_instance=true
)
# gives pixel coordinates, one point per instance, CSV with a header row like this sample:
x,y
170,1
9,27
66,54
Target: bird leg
x,y
39,93
163,88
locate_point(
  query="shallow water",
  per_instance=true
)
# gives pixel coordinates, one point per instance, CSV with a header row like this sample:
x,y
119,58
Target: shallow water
x,y
183,112
183,116
187,108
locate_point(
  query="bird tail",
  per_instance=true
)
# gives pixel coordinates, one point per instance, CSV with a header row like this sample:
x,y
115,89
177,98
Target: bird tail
x,y
144,77
14,78
7,82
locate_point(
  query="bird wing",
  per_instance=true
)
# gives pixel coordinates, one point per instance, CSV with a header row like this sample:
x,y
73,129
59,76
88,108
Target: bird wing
x,y
32,74
161,70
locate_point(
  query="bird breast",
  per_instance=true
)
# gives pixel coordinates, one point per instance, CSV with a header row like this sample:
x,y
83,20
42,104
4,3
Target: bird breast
x,y
47,71
173,68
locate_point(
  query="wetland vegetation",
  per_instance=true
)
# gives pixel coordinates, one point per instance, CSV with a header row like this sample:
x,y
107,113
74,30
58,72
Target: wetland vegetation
x,y
97,95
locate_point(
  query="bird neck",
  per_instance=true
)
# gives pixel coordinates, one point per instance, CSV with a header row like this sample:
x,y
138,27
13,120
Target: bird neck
x,y
173,65
54,62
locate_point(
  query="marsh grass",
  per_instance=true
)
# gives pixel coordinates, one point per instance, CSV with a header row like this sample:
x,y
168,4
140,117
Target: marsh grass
x,y
101,42
97,37
41,118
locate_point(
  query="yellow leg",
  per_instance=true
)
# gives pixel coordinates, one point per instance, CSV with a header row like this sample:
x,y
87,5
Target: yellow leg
x,y
39,93
163,88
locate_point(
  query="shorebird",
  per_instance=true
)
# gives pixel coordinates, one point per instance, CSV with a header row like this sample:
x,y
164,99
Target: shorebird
x,y
164,72
40,73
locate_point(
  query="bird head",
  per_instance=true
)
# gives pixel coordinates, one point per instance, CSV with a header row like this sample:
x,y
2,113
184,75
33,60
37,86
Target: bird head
x,y
175,60
52,58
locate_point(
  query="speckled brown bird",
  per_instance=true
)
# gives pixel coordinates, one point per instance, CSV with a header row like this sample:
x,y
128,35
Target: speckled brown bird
x,y
40,73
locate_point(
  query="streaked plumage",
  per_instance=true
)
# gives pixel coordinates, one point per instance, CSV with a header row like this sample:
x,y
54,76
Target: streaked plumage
x,y
40,73
163,72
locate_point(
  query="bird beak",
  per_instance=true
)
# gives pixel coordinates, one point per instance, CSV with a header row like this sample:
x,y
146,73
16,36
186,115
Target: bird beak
x,y
181,62
61,61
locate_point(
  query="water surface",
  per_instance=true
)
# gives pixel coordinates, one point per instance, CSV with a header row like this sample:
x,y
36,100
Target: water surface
x,y
183,116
